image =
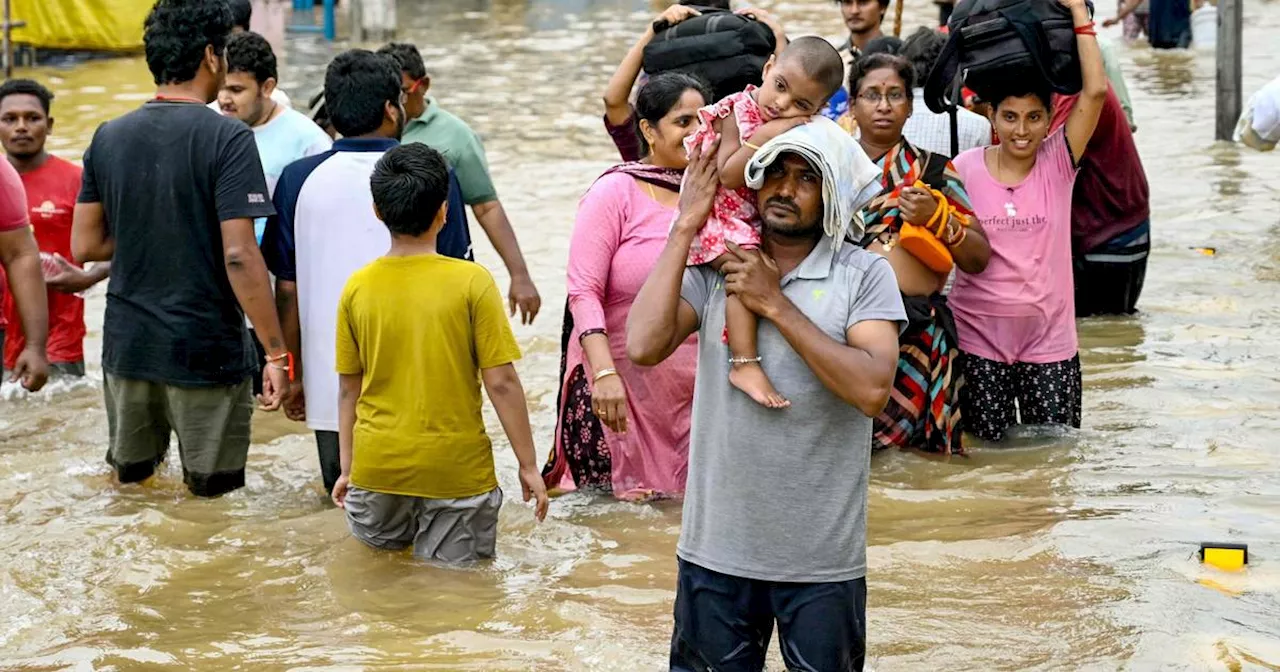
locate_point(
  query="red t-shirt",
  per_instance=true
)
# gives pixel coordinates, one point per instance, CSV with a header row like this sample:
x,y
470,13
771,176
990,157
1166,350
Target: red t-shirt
x,y
13,214
51,191
1111,194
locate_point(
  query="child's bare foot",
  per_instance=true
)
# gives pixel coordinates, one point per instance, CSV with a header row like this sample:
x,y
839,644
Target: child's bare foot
x,y
750,378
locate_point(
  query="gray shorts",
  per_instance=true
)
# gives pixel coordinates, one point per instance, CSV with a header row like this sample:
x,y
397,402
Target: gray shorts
x,y
443,530
212,424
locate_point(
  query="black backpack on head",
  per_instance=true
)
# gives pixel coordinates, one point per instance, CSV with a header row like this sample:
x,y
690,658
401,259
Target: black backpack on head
x,y
994,41
723,49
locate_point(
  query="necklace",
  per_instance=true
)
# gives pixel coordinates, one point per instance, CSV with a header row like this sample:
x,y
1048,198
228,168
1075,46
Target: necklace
x,y
160,97
1010,208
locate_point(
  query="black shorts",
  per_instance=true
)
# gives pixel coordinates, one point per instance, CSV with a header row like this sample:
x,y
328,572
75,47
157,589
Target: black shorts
x,y
724,623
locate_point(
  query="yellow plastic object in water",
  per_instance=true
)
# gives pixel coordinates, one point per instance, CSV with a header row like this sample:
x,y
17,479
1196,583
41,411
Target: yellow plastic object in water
x,y
1227,557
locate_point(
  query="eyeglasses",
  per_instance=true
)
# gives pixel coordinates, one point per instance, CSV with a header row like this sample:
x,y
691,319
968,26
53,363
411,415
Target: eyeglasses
x,y
873,97
417,84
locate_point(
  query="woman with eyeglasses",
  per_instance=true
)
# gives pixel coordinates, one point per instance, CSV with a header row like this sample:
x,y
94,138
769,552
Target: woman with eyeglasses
x,y
922,223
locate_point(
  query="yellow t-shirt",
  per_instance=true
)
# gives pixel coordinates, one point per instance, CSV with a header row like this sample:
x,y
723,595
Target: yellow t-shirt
x,y
420,329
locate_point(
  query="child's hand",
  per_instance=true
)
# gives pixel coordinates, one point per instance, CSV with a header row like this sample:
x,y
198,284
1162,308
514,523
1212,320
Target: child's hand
x,y
340,489
532,487
772,129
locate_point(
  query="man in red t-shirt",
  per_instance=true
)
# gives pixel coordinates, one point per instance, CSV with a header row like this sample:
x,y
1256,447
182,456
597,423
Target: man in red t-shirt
x,y
51,185
1110,214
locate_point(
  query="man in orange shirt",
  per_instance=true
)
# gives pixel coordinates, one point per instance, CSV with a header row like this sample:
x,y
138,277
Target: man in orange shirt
x,y
51,185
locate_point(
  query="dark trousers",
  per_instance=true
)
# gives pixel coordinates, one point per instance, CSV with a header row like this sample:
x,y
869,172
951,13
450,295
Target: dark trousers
x,y
1108,279
330,460
723,623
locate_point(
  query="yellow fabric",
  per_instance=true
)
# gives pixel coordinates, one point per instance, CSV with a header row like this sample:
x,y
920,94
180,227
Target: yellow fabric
x,y
111,25
420,329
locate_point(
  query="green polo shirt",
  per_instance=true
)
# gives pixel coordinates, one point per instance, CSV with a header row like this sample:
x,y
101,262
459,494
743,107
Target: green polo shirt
x,y
460,146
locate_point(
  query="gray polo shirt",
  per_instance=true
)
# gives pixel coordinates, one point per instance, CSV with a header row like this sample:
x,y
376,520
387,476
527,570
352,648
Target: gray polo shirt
x,y
781,495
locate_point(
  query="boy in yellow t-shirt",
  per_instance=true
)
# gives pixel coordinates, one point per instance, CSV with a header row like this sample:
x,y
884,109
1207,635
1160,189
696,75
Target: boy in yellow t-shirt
x,y
417,332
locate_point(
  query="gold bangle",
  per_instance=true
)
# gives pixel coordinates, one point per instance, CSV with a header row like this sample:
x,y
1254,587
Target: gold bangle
x,y
603,373
746,143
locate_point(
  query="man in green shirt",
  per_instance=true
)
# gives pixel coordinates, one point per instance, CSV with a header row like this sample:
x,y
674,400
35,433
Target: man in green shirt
x,y
461,147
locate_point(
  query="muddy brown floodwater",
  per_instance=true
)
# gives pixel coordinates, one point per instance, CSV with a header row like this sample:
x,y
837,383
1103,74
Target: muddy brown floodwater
x,y
1063,550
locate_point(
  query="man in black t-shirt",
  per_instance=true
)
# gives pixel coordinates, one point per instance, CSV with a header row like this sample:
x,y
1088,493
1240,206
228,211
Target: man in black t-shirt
x,y
169,195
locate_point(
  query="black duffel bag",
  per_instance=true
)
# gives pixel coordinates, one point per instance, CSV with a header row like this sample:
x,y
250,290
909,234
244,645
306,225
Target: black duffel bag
x,y
993,41
723,49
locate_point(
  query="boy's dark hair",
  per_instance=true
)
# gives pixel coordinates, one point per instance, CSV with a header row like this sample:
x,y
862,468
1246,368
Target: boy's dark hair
x,y
28,87
357,86
410,183
869,64
922,48
176,33
710,4
241,13
819,60
661,93
251,53
408,57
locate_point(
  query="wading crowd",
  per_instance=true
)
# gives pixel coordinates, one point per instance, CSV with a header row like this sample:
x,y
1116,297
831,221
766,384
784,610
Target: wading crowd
x,y
780,277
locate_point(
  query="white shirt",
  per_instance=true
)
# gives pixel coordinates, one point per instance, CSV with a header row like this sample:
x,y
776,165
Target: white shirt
x,y
1259,125
336,234
930,131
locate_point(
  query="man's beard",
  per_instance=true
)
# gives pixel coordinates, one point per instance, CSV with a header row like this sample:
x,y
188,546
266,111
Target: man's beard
x,y
400,124
788,229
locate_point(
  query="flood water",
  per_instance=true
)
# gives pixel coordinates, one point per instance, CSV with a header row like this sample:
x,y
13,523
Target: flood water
x,y
1062,551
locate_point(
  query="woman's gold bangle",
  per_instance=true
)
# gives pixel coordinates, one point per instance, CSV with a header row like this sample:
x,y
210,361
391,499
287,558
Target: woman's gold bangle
x,y
604,373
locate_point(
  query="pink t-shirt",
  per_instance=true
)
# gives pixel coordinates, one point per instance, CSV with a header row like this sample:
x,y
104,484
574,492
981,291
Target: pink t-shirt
x,y
1022,307
13,213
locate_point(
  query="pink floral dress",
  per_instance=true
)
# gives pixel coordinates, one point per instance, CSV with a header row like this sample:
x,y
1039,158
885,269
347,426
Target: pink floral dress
x,y
734,215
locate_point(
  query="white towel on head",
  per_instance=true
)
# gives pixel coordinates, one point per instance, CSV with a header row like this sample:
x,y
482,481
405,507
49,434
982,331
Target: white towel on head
x,y
849,178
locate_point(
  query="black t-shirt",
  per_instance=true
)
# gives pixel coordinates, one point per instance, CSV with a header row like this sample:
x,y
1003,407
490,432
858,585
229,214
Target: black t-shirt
x,y
167,175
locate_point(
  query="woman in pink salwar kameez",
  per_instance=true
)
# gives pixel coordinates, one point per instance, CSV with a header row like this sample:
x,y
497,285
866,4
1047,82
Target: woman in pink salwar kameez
x,y
620,427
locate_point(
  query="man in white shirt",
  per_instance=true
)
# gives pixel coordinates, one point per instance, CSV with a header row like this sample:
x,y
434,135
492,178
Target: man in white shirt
x,y
1259,125
325,229
929,130
241,13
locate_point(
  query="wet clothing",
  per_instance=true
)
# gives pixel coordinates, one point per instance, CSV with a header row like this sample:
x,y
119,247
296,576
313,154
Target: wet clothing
x,y
330,458
924,407
1169,24
167,175
1109,278
1111,201
461,147
453,530
418,429
619,233
998,396
212,424
51,193
781,495
725,622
